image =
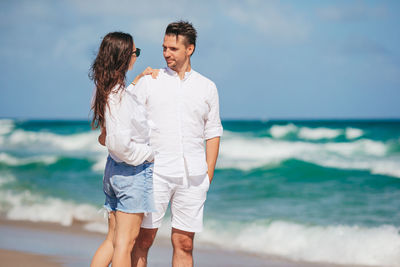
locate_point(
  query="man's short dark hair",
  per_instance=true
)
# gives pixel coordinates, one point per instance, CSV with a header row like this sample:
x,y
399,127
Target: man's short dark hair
x,y
185,29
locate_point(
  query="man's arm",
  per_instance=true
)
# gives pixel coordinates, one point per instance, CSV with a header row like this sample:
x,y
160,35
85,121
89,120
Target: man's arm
x,y
212,149
212,130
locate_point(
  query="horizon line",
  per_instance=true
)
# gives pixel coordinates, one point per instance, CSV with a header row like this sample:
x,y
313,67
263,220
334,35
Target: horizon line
x,y
230,119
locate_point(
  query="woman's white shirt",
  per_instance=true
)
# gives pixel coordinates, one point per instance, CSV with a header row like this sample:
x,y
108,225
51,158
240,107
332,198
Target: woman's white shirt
x,y
127,127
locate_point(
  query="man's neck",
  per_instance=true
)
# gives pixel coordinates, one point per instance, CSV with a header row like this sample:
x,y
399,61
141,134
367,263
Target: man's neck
x,y
182,70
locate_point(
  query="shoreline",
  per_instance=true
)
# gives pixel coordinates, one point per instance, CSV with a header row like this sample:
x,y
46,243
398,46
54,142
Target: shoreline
x,y
56,245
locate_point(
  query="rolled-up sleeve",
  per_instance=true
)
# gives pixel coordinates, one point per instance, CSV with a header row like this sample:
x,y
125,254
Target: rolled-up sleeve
x,y
213,127
119,128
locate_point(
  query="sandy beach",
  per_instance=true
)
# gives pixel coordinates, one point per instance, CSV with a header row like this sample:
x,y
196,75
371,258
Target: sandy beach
x,y
47,244
12,258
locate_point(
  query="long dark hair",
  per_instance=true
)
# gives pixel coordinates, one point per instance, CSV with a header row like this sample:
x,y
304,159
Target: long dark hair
x,y
108,70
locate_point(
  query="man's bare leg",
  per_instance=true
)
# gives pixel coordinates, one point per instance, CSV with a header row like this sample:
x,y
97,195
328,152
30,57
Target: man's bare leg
x,y
182,243
142,245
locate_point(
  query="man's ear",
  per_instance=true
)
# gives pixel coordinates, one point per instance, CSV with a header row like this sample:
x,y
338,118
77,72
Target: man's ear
x,y
190,49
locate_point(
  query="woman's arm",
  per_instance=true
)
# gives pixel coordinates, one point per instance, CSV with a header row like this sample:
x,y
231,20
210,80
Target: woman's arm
x,y
102,136
147,71
120,129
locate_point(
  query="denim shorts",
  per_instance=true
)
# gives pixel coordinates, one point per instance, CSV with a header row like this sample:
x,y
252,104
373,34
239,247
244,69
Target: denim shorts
x,y
128,188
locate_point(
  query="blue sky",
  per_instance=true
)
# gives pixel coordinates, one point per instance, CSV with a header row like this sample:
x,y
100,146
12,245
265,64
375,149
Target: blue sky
x,y
269,59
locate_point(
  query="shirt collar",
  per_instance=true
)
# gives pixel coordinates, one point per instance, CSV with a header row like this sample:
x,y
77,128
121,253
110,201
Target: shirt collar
x,y
174,73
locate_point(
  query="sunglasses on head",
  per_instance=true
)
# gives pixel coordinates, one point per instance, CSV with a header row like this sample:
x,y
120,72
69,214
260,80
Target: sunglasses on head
x,y
136,52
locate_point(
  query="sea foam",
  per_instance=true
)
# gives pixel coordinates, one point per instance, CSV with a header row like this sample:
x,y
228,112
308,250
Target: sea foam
x,y
353,133
32,207
378,246
6,178
246,153
6,126
51,147
14,161
100,163
337,244
279,131
318,133
313,134
45,141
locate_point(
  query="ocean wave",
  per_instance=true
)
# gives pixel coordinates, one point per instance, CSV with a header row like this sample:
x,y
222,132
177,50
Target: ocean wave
x,y
353,133
49,147
13,161
100,164
280,131
98,227
36,208
378,246
46,141
6,126
337,244
362,154
361,147
313,134
318,133
388,166
6,178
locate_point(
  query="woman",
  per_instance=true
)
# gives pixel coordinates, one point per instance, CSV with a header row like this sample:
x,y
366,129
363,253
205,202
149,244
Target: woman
x,y
127,181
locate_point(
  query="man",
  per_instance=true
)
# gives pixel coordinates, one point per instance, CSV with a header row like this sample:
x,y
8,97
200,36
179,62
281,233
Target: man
x,y
183,104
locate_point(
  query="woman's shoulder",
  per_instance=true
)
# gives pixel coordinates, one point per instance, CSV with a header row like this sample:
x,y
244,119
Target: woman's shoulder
x,y
116,93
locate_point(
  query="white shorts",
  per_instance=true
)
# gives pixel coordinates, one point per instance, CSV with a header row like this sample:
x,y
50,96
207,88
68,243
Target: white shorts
x,y
187,202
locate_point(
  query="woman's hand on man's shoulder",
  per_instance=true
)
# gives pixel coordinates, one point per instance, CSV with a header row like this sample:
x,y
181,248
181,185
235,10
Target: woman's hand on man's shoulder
x,y
151,71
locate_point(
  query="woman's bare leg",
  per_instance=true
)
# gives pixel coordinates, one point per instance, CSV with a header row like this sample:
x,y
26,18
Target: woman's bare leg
x,y
103,255
127,227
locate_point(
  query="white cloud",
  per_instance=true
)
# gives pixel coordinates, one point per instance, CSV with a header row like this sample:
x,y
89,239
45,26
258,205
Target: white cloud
x,y
352,12
361,45
131,8
152,30
73,46
276,21
148,19
34,9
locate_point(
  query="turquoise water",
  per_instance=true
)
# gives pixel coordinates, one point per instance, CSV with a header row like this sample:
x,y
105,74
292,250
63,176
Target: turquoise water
x,y
285,187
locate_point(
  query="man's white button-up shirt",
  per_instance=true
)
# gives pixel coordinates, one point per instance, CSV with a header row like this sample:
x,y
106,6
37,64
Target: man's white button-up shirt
x,y
185,113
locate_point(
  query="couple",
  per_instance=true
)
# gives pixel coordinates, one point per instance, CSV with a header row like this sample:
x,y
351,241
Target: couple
x,y
162,133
